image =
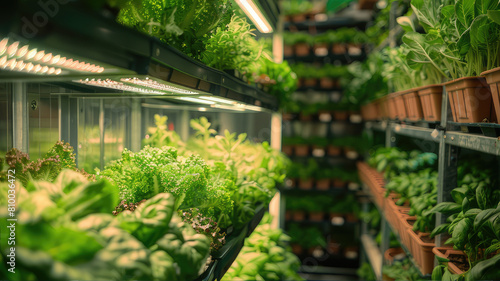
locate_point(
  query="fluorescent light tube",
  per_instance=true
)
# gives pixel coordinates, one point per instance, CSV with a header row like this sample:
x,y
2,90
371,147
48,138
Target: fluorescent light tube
x,y
195,100
216,99
251,10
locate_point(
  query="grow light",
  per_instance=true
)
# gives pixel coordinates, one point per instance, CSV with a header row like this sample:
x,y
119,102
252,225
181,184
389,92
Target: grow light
x,y
115,85
197,100
251,10
221,106
149,83
220,100
14,55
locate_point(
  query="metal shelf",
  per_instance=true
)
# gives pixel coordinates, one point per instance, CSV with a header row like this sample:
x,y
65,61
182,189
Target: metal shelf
x,y
373,253
415,132
490,145
344,58
124,54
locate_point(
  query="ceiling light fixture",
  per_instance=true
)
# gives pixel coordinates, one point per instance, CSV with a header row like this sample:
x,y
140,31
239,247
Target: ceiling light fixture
x,y
196,100
251,10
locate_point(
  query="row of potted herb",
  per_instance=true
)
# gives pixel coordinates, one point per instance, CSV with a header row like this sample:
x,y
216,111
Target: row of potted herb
x,y
303,147
337,42
461,42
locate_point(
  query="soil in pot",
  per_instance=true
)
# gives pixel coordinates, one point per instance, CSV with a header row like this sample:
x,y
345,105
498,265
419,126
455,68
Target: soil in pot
x,y
460,261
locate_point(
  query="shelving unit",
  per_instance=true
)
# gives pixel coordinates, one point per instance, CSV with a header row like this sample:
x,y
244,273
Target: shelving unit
x,y
335,128
446,138
136,76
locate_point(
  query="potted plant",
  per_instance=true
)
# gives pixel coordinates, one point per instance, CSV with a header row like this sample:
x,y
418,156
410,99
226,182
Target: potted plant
x,y
302,44
460,41
321,42
306,175
322,177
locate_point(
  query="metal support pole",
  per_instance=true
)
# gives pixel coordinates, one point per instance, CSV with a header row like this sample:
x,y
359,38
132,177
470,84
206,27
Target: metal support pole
x,y
135,125
184,129
277,205
101,130
386,236
64,119
20,122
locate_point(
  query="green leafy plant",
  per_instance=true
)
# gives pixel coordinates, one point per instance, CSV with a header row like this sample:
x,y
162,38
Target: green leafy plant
x,y
185,25
59,157
266,255
232,47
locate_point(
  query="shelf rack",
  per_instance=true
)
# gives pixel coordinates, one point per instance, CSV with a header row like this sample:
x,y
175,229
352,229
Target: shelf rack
x,y
124,54
447,141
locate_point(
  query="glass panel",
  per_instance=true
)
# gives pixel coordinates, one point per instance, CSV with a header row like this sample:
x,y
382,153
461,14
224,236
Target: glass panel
x,y
148,119
43,114
88,135
116,128
5,118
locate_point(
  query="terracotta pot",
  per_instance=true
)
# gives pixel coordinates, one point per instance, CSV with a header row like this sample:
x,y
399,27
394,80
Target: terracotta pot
x,y
287,149
287,50
327,82
404,235
300,82
334,150
306,184
367,4
288,215
413,105
340,115
431,98
297,249
399,104
316,216
383,107
301,149
310,82
391,107
299,18
351,217
299,215
375,182
493,79
302,49
421,250
338,183
369,112
470,99
323,184
446,252
338,49
390,253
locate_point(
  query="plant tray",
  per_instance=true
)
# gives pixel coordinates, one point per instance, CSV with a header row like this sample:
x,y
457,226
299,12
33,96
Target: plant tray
x,y
421,250
431,98
470,100
374,180
445,252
